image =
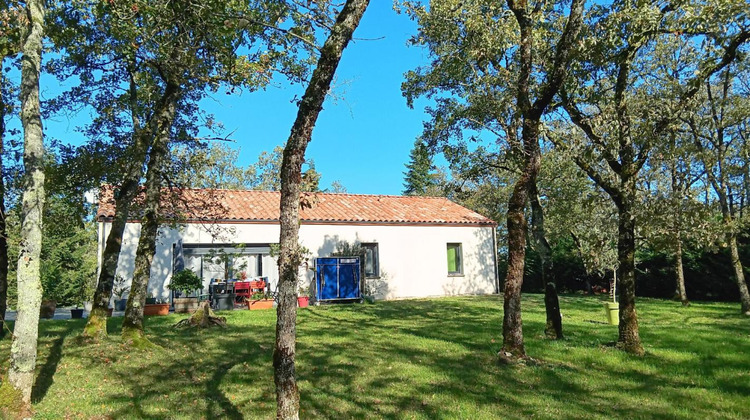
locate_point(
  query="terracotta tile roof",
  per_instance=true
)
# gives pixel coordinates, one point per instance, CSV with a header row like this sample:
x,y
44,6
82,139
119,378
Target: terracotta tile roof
x,y
263,206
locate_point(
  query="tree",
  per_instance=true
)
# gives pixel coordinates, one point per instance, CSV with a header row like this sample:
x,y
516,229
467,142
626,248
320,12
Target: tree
x,y
620,101
287,394
12,20
672,218
25,334
418,177
213,166
265,173
195,49
144,66
506,74
716,131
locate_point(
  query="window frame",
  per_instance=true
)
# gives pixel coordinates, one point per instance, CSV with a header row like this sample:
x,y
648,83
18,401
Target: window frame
x,y
459,257
376,259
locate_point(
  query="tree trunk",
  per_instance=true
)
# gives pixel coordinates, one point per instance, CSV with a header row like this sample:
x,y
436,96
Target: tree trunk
x,y
24,345
677,198
132,324
3,231
96,326
739,274
513,347
551,301
554,319
629,339
679,273
287,394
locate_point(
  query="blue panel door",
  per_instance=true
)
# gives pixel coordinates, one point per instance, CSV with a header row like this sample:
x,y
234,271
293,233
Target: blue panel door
x,y
327,276
348,281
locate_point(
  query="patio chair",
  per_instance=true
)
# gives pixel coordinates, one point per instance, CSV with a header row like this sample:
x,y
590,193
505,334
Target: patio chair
x,y
242,291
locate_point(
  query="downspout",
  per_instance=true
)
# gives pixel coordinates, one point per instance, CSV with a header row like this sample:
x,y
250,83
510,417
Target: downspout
x,y
100,246
494,259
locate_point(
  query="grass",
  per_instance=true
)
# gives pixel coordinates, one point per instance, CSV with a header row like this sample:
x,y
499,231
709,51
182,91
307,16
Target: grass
x,y
426,359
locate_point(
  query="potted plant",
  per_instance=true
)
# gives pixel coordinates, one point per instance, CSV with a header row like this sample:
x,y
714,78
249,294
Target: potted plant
x,y
259,301
80,297
47,309
303,298
155,306
119,290
185,282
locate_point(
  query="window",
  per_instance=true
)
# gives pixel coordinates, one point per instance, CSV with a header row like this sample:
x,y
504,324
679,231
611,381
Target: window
x,y
372,265
455,260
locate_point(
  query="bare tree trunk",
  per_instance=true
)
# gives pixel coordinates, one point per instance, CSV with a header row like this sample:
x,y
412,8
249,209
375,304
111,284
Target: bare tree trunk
x,y
739,274
25,335
132,324
287,394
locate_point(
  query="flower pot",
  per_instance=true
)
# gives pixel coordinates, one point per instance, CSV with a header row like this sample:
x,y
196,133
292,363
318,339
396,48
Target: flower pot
x,y
76,313
156,309
260,304
185,305
120,304
303,301
223,301
47,310
613,312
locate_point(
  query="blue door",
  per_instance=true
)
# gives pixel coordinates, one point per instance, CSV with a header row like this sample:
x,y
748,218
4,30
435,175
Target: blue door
x,y
337,278
329,288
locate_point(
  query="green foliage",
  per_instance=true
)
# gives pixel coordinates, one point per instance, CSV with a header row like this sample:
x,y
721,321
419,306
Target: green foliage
x,y
418,177
266,172
348,249
373,372
185,281
212,166
120,287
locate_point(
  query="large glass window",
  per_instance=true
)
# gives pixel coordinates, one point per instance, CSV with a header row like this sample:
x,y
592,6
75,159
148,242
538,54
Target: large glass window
x,y
455,260
372,265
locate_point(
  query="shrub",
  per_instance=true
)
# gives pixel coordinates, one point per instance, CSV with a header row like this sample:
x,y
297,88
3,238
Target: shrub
x,y
185,281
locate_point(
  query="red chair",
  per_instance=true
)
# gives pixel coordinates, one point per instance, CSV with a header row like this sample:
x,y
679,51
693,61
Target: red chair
x,y
242,291
257,286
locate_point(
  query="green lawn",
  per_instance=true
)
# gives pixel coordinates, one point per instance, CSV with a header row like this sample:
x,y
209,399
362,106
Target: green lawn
x,y
426,359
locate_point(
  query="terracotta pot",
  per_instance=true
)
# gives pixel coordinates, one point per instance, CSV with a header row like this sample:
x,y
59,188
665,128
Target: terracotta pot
x,y
260,304
185,305
156,309
303,301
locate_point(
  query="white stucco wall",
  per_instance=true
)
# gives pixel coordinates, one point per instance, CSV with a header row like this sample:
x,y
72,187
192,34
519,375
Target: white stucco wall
x,y
413,259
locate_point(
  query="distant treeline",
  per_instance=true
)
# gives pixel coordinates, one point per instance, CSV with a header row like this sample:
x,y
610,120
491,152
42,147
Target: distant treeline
x,y
708,273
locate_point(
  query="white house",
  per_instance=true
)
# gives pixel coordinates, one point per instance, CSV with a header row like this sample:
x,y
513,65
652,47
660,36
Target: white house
x,y
414,246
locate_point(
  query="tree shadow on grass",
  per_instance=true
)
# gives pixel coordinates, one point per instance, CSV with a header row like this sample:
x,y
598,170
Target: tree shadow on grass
x,y
46,375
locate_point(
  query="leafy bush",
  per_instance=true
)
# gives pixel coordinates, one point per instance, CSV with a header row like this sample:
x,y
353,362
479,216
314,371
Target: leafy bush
x,y
185,281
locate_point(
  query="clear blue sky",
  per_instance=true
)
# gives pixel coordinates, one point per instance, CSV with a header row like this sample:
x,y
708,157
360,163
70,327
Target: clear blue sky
x,y
362,139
